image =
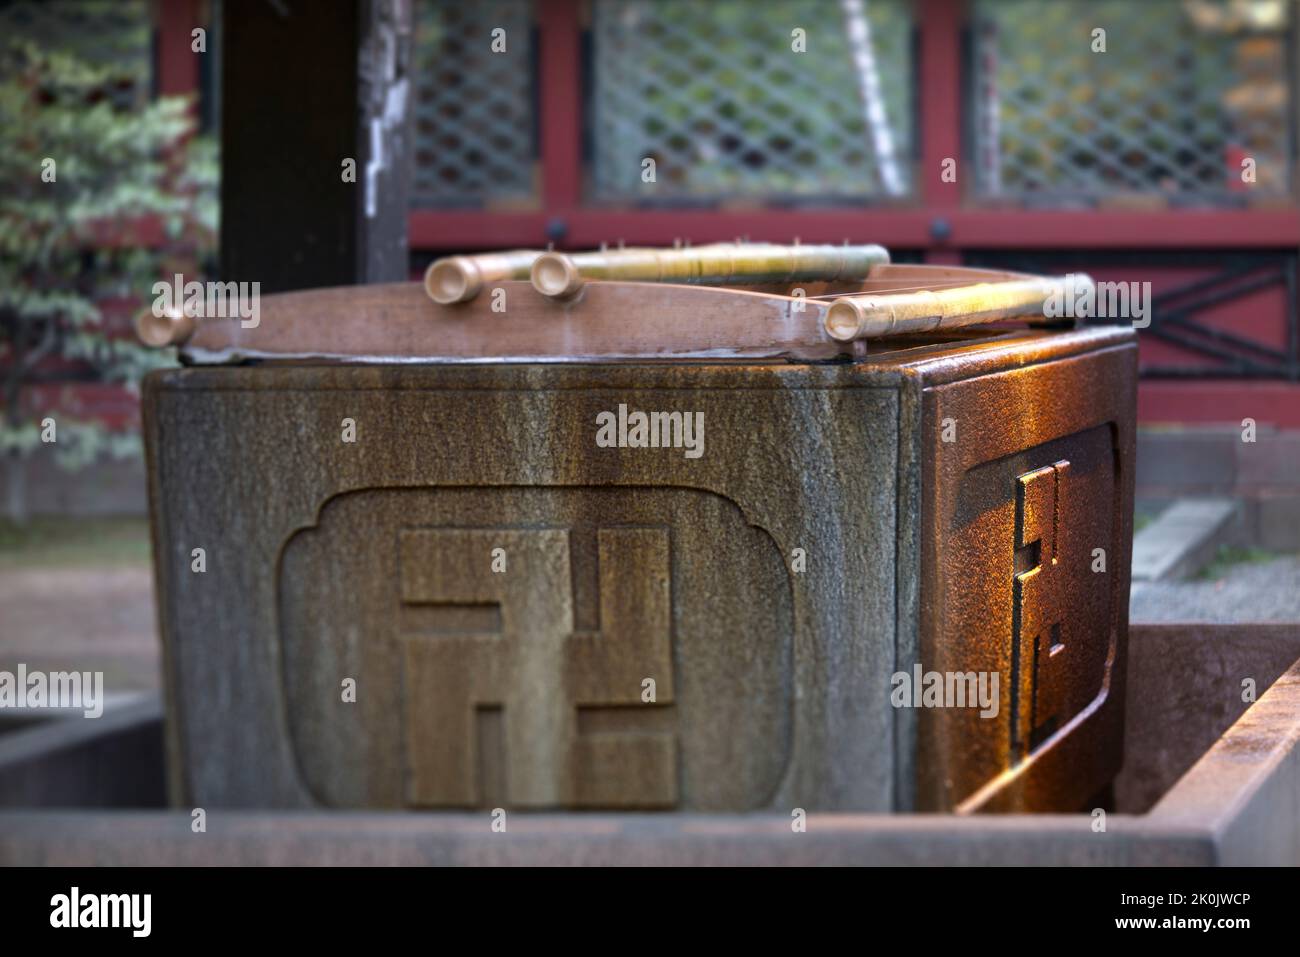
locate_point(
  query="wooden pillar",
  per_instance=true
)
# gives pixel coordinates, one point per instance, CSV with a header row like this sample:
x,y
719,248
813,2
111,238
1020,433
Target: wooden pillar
x,y
177,64
941,92
315,142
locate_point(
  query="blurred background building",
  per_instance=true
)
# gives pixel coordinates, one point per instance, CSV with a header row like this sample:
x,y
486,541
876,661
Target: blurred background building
x,y
985,132
1127,163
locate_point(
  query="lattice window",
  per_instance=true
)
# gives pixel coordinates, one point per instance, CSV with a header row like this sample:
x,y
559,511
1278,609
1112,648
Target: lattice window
x,y
717,97
1185,92
475,141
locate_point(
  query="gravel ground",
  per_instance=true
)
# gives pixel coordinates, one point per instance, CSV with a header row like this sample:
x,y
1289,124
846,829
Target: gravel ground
x,y
1248,591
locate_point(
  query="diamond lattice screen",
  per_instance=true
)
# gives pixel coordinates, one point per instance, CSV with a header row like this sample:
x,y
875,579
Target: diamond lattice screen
x,y
717,97
1185,93
474,108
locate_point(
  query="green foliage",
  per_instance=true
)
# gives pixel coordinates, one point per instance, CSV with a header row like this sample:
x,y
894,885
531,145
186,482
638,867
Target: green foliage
x,y
83,542
1229,556
87,165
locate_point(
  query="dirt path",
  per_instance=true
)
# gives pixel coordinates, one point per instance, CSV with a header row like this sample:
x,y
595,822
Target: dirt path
x,y
91,618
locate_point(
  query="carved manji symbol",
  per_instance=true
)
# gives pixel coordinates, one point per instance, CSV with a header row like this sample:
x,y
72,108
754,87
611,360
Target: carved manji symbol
x,y
1040,656
506,702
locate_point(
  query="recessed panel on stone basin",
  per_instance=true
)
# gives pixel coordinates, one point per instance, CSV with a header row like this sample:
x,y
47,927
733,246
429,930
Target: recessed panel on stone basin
x,y
536,647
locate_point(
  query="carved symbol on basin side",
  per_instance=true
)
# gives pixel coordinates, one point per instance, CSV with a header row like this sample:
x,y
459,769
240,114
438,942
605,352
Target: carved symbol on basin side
x,y
505,701
1040,664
